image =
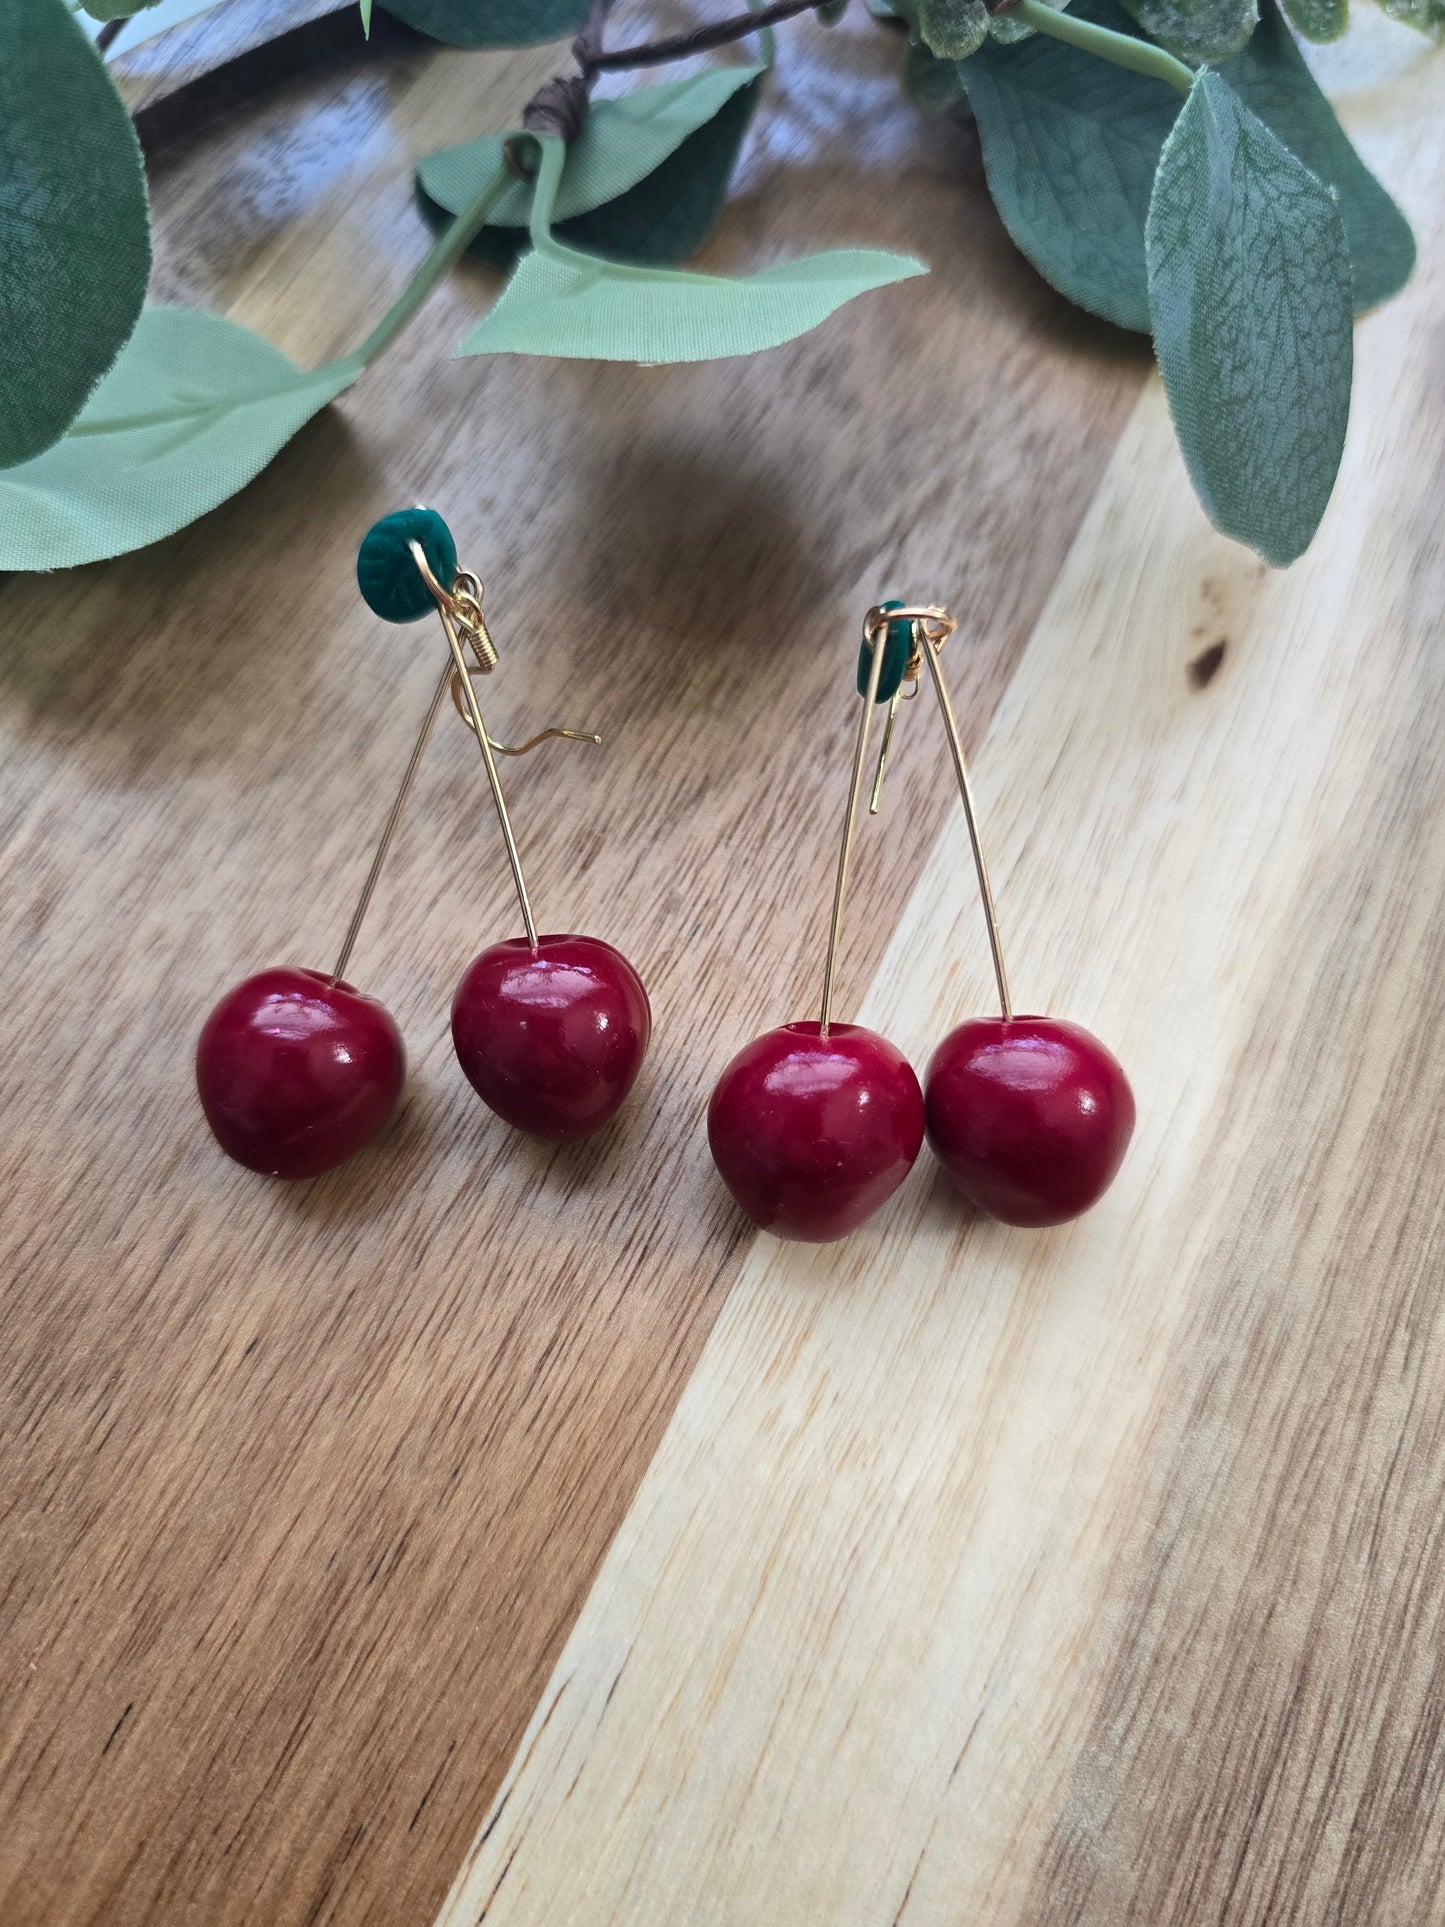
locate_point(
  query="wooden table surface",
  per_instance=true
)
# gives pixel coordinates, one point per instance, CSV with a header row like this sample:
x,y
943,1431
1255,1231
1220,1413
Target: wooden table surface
x,y
497,1531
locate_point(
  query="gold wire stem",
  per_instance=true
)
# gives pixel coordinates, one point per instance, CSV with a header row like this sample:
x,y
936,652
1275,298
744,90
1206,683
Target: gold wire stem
x,y
484,742
965,790
363,902
840,887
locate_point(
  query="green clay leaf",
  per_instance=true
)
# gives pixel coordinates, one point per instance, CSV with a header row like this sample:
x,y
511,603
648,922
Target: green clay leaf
x,y
490,23
572,305
953,29
1319,19
1197,30
193,409
1071,145
645,181
74,225
1249,286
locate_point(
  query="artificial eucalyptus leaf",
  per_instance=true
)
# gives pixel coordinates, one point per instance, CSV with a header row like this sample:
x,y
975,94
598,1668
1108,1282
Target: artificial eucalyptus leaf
x,y
1071,145
1428,16
932,84
953,29
1319,19
644,181
830,12
575,306
1197,30
1249,287
490,23
192,410
75,249
1003,28
1273,81
117,9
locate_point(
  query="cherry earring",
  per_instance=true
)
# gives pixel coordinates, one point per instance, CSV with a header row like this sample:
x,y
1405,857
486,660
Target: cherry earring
x,y
551,1031
297,1070
1030,1116
813,1126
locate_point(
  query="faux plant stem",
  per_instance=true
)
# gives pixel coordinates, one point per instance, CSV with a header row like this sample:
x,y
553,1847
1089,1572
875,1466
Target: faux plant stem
x,y
1139,56
450,246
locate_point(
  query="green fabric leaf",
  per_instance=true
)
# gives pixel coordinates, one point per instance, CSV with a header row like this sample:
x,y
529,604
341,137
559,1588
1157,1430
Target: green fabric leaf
x,y
1249,286
491,23
75,249
645,181
569,304
366,18
953,29
1071,145
1197,30
1319,19
192,410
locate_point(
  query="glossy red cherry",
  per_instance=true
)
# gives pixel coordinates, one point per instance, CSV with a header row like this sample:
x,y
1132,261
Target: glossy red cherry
x,y
813,1133
296,1073
1030,1117
552,1039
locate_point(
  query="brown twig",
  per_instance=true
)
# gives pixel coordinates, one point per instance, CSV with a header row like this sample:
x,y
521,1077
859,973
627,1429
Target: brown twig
x,y
653,53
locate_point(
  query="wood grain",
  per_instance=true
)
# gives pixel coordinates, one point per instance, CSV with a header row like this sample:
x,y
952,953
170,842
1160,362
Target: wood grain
x,y
1096,1576
303,1487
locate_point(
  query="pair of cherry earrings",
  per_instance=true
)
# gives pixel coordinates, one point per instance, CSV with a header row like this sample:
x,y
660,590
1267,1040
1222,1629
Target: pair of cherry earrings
x,y
815,1125
297,1070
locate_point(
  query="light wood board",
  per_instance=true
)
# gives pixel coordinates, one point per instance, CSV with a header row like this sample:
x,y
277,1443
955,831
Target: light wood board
x,y
1097,1575
302,1488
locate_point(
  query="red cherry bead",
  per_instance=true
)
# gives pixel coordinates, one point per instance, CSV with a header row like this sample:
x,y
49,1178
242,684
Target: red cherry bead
x,y
552,1039
1030,1117
296,1073
811,1133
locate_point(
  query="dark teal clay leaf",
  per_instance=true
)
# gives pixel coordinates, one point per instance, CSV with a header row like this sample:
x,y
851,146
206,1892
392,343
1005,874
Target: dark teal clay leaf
x,y
1319,19
391,584
490,23
1071,144
1272,80
1249,285
74,228
1197,30
897,649
575,306
193,409
644,182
